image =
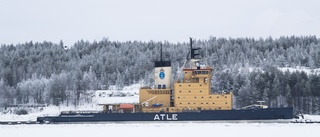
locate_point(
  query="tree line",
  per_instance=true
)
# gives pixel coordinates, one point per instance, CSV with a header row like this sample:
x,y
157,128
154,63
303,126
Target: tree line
x,y
47,73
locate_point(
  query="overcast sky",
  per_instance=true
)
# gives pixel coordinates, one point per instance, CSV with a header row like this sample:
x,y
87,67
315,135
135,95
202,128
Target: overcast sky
x,y
159,20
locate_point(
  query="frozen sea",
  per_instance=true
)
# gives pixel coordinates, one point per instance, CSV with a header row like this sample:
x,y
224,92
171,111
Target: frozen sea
x,y
156,129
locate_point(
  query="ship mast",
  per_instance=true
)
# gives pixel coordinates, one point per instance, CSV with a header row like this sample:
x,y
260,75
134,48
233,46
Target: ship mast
x,y
161,52
194,59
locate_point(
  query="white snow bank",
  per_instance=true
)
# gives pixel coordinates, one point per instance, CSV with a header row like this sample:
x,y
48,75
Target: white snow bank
x,y
160,129
50,110
131,95
300,69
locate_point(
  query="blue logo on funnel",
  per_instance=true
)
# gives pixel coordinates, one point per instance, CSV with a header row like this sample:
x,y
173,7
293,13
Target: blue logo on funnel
x,y
161,75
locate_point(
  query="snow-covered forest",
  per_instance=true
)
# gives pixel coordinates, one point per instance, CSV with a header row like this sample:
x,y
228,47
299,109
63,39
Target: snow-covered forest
x,y
48,73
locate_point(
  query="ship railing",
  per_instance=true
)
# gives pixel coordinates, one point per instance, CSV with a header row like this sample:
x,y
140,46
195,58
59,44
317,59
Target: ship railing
x,y
186,81
255,106
198,111
80,112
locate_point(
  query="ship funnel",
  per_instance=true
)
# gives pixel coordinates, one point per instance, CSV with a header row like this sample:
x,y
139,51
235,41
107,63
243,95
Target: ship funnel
x,y
162,73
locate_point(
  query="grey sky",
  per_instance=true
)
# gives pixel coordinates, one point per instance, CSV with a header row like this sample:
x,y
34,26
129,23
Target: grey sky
x,y
159,20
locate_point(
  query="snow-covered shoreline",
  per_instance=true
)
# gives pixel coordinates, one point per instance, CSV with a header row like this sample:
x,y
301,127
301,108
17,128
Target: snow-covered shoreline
x,y
100,97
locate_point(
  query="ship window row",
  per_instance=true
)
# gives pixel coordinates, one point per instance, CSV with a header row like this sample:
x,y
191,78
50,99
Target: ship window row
x,y
159,92
201,103
203,97
200,72
219,108
195,80
188,91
